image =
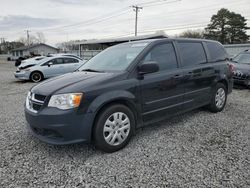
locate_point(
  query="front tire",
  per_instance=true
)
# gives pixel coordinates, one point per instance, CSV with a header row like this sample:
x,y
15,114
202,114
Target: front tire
x,y
36,77
219,98
114,127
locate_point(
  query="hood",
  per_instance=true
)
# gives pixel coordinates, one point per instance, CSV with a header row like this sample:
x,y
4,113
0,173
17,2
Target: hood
x,y
28,64
244,68
72,82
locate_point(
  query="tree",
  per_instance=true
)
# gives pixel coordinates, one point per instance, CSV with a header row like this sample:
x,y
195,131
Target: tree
x,y
192,34
40,37
7,46
33,39
227,27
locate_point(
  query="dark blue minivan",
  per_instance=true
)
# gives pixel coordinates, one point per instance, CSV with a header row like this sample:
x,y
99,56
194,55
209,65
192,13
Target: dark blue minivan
x,y
126,87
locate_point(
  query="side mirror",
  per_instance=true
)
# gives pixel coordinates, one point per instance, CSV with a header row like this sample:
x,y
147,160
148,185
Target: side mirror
x,y
148,67
49,64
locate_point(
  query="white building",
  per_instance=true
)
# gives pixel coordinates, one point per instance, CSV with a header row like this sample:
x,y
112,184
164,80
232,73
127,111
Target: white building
x,y
89,48
42,49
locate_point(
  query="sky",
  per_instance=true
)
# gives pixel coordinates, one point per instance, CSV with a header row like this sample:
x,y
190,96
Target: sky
x,y
65,20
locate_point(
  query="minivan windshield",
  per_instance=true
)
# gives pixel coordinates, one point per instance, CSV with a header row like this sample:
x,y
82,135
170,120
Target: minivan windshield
x,y
243,58
116,58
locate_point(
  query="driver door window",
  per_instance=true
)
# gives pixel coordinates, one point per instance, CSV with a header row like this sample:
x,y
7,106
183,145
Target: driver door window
x,y
164,55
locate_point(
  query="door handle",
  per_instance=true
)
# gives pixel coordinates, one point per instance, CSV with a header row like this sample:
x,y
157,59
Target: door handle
x,y
178,76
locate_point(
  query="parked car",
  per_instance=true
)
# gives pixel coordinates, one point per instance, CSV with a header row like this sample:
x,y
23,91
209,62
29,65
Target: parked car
x,y
126,87
47,67
19,60
242,68
30,62
33,59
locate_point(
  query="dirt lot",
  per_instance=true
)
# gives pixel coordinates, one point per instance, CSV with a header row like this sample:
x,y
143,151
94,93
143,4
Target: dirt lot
x,y
197,149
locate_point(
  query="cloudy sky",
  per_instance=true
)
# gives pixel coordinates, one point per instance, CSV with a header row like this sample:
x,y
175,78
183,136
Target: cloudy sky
x,y
64,20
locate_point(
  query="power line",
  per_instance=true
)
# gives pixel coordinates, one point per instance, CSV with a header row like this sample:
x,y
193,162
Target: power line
x,y
106,17
161,3
94,20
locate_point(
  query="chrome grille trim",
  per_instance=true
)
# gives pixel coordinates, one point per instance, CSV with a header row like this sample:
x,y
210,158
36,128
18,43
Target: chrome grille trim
x,y
31,100
34,99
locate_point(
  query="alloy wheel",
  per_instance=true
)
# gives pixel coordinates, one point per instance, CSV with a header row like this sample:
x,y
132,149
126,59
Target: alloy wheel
x,y
220,98
36,77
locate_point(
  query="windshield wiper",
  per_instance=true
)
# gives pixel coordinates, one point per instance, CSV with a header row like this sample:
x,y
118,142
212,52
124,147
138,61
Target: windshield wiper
x,y
91,70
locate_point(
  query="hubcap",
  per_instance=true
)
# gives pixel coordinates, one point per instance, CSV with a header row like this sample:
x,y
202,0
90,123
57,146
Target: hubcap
x,y
116,128
220,98
36,77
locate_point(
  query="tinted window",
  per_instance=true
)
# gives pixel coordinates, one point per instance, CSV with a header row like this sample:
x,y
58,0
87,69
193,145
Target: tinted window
x,y
57,61
70,60
192,53
164,55
216,51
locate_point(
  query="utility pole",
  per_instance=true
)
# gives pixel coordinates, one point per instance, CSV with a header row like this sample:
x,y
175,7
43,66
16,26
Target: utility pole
x,y
136,9
2,40
28,36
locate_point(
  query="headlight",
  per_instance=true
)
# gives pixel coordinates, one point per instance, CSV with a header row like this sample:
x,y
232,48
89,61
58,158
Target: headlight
x,y
26,70
65,101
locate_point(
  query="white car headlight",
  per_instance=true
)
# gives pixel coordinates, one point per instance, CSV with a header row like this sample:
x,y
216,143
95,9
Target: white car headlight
x,y
65,101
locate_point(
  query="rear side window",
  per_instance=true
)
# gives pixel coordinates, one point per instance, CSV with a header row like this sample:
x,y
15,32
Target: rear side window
x,y
192,53
70,60
164,55
216,51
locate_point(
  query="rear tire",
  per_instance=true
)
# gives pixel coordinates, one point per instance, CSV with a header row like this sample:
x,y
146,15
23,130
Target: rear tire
x,y
114,128
36,77
219,98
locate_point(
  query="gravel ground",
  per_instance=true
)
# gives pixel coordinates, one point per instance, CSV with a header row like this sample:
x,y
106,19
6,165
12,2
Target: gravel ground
x,y
197,149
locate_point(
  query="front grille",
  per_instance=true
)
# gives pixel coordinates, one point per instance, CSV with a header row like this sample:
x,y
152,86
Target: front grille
x,y
35,102
39,97
241,76
36,107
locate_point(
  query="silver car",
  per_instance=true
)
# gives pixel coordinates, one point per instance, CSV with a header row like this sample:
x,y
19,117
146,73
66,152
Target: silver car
x,y
47,67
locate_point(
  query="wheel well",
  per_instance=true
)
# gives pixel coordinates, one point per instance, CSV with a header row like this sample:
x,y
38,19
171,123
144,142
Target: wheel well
x,y
224,82
38,72
110,103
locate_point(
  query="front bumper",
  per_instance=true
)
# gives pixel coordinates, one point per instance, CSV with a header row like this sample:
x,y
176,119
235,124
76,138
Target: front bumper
x,y
22,75
60,127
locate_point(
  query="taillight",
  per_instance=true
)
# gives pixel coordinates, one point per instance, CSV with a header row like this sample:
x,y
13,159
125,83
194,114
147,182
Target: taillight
x,y
231,68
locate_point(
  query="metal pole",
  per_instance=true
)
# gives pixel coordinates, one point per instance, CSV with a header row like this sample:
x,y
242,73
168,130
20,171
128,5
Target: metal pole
x,y
28,37
136,9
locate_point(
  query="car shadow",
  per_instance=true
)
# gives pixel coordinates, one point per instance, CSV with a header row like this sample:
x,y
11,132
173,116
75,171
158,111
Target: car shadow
x,y
84,151
240,87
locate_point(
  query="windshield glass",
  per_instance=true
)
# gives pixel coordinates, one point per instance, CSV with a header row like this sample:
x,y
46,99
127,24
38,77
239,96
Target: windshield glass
x,y
242,58
116,58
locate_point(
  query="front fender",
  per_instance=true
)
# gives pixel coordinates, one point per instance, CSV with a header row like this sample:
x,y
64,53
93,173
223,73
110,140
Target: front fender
x,y
108,97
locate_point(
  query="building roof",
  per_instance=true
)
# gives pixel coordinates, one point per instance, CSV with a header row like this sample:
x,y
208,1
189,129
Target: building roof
x,y
33,46
123,39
